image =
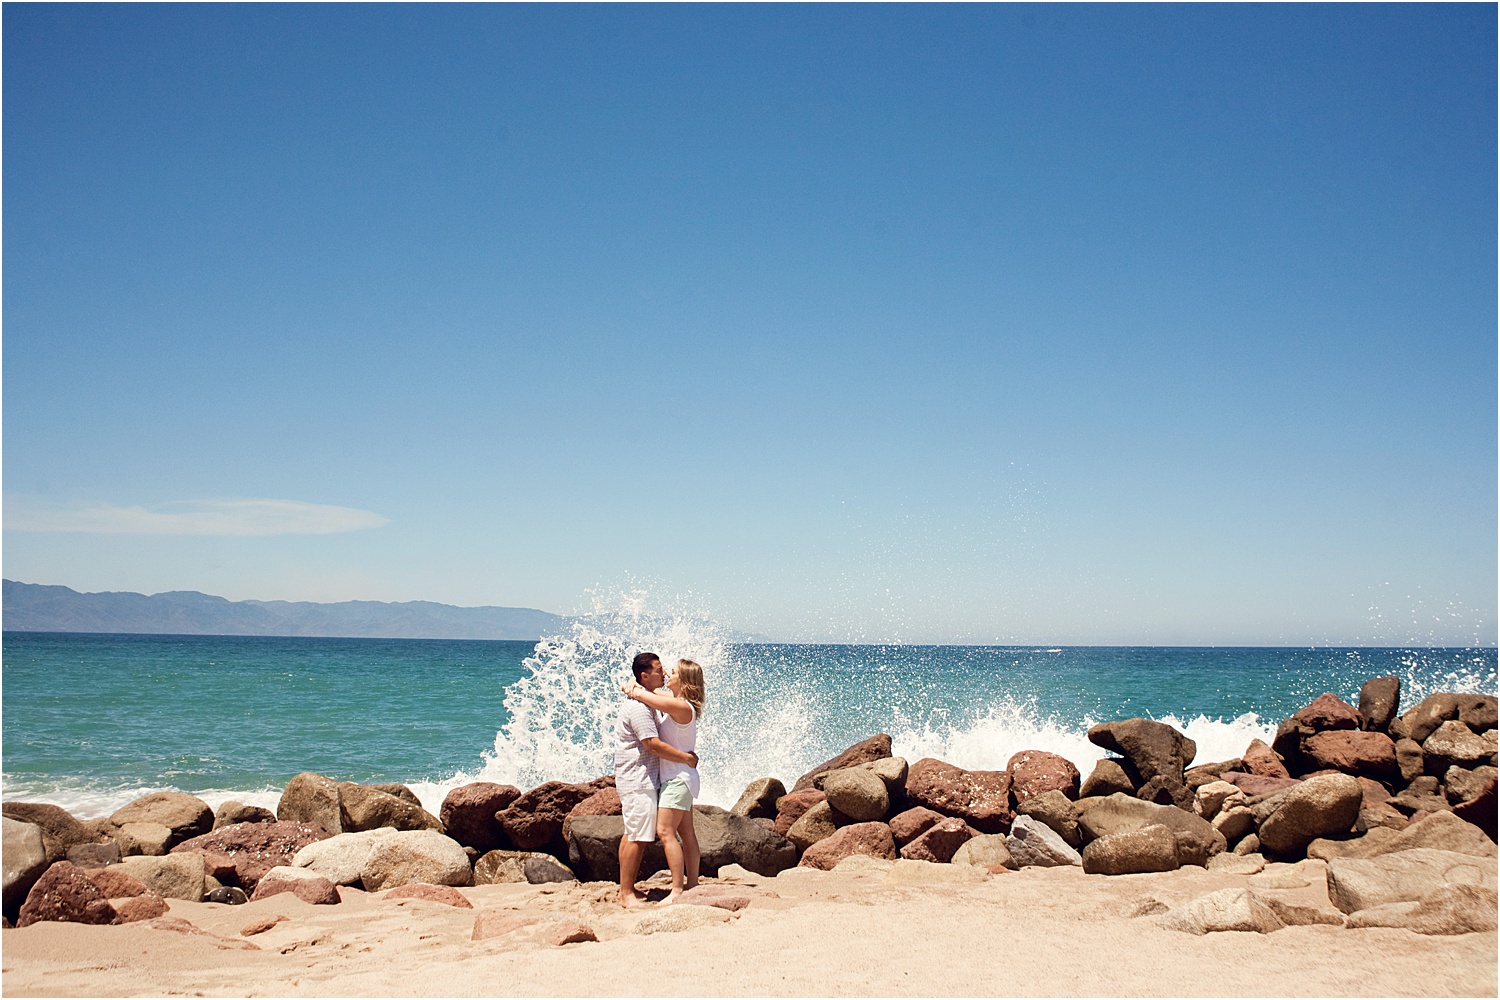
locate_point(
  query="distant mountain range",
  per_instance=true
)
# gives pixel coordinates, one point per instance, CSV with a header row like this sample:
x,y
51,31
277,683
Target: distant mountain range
x,y
30,607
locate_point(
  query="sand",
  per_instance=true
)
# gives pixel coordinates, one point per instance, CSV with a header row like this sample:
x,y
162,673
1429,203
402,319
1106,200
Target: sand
x,y
912,929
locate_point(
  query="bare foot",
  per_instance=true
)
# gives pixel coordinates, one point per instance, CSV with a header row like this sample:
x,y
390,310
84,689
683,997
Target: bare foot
x,y
632,901
672,897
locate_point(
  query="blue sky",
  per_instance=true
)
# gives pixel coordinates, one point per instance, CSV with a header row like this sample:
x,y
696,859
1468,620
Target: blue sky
x,y
1054,324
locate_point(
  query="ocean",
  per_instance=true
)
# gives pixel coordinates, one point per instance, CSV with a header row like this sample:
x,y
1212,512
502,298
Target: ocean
x,y
93,721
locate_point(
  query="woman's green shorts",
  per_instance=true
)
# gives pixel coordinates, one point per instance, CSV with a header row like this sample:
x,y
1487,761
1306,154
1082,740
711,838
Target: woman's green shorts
x,y
675,795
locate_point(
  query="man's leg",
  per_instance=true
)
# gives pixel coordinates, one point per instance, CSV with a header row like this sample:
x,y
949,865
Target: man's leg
x,y
631,852
638,811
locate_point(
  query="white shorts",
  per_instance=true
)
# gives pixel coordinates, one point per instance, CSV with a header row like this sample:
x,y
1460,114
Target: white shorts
x,y
638,809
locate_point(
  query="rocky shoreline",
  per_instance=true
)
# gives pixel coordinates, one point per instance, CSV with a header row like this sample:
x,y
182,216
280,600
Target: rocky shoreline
x,y
1397,812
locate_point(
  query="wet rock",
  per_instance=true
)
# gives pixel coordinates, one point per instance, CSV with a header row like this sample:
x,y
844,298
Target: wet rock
x,y
1033,772
1197,840
873,839
1224,910
1157,752
1107,778
1372,755
911,824
1151,848
1261,760
1033,843
1379,699
1404,876
1450,909
64,892
187,816
468,814
1453,744
254,848
415,856
873,748
1321,806
25,859
789,808
300,882
365,808
980,798
445,894
759,799
174,876
232,812
312,799
857,793
1056,811
1329,712
938,842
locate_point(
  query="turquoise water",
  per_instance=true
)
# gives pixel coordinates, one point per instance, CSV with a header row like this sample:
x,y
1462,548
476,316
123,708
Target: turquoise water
x,y
91,721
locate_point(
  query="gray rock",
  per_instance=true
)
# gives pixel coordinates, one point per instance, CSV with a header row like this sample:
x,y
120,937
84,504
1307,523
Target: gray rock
x,y
1197,840
231,895
341,859
1225,910
1405,876
1058,812
24,860
497,867
1409,759
60,830
857,793
187,816
1461,784
232,812
985,849
892,771
1453,744
149,839
1450,909
174,876
94,855
408,856
812,826
1379,700
1107,778
540,869
311,798
1033,843
759,799
1151,848
1321,806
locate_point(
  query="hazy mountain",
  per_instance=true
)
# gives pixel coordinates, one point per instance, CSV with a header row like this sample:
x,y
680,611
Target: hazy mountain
x,y
30,607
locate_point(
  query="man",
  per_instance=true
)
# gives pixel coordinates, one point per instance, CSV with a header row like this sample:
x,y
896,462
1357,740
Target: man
x,y
637,748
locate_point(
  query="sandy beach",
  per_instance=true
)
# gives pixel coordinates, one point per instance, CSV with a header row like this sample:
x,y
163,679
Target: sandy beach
x,y
867,929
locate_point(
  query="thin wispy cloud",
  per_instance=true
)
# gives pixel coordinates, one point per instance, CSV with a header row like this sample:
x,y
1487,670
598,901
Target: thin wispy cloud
x,y
242,518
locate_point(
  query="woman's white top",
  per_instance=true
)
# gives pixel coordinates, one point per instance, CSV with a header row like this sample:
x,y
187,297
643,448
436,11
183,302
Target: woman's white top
x,y
681,736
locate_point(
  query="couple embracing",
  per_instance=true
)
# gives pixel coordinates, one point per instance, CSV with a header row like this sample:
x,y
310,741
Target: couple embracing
x,y
656,771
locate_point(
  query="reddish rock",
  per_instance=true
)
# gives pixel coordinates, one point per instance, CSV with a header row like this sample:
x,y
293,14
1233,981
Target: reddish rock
x,y
982,798
114,883
316,890
604,802
1480,810
873,839
445,894
260,926
939,842
220,865
1256,784
912,823
254,848
179,926
1329,711
136,908
1352,751
877,747
789,808
1033,772
65,893
494,923
713,895
534,822
569,932
468,813
1262,760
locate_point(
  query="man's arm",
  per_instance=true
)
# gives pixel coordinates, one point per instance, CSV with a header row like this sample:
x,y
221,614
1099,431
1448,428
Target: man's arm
x,y
666,751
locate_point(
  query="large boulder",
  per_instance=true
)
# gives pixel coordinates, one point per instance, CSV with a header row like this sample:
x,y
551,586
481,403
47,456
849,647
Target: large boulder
x,y
362,807
1453,744
534,822
1451,909
1328,712
759,798
1372,755
1442,831
1158,753
1058,812
1405,876
25,859
313,799
251,849
857,793
1261,760
980,798
64,892
872,839
1461,784
187,816
789,808
174,876
723,839
938,842
1033,772
604,802
341,859
1152,848
817,823
1107,778
866,750
1379,699
1322,806
408,856
1033,843
1477,711
60,830
1197,839
985,850
468,814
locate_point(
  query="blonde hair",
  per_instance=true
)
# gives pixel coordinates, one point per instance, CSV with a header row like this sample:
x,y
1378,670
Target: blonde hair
x,y
691,676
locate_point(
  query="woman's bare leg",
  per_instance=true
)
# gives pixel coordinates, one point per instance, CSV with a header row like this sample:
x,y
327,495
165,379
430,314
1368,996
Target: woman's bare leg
x,y
690,853
667,822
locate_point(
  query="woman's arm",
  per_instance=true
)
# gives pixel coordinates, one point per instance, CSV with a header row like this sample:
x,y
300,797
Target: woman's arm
x,y
678,708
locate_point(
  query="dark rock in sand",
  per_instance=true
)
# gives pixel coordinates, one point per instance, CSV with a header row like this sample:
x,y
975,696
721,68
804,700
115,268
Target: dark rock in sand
x,y
65,893
233,812
866,750
231,895
938,842
1261,760
534,822
789,808
60,830
759,799
1328,711
311,798
1107,778
1033,772
1157,752
364,807
1056,811
980,798
872,839
468,814
187,816
1372,755
1379,700
253,848
1480,810
912,823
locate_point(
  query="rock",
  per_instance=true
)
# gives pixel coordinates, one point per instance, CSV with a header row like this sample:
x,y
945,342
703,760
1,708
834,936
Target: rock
x,y
873,748
534,822
1478,712
1431,712
232,812
1033,772
468,814
312,799
495,923
1107,778
789,808
985,850
911,824
1353,752
305,885
116,884
187,816
604,802
873,839
1453,744
1404,876
1151,848
341,859
561,932
365,808
94,855
132,909
1157,752
681,917
1409,761
1234,823
1058,812
1033,843
261,925
1210,798
1279,880
981,798
1295,915
230,895
892,771
1235,864
149,839
1197,840
1249,844
1379,699
724,839
175,876
1320,806
1441,831
814,825
254,848
399,790
25,859
1449,909
711,895
759,799
415,856
908,872
1224,910
1329,712
497,867
445,894
1480,810
938,842
1462,784
60,830
1258,784
1202,774
540,869
1287,744
64,892
1261,760
857,793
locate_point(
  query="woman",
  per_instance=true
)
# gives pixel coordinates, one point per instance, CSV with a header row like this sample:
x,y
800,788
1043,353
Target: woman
x,y
677,725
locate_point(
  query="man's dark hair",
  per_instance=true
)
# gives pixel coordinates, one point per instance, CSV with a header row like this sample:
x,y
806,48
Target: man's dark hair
x,y
642,663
